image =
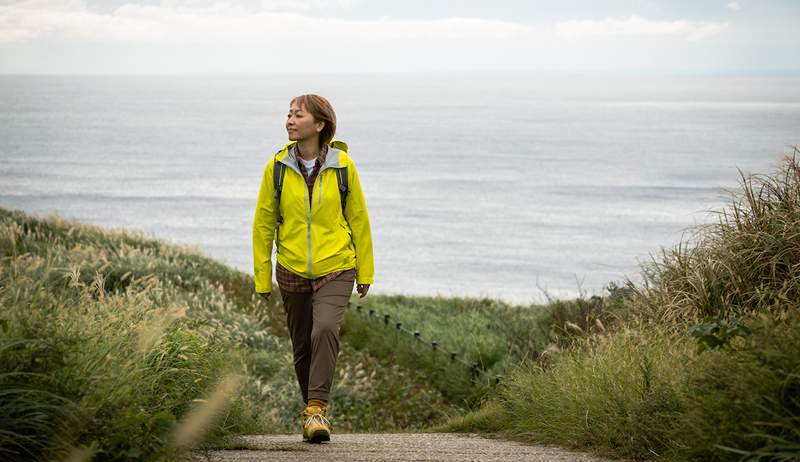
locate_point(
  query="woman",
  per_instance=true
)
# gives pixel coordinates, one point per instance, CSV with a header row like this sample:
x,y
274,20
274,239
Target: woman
x,y
311,204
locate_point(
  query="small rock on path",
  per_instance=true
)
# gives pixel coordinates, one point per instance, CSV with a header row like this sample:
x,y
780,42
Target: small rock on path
x,y
390,447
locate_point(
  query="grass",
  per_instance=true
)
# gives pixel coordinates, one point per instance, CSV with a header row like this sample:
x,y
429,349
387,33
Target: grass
x,y
470,332
487,336
701,362
115,346
615,392
745,262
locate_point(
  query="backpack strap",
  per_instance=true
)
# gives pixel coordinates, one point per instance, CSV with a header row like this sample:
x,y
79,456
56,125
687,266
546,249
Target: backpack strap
x,y
341,177
278,172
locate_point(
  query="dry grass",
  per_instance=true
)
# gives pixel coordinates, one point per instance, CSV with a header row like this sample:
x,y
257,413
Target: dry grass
x,y
111,338
747,261
643,389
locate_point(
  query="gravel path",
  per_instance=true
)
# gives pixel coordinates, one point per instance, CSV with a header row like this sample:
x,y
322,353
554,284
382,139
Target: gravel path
x,y
390,446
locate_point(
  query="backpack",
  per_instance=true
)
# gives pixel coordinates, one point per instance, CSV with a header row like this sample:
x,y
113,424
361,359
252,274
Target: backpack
x,y
279,171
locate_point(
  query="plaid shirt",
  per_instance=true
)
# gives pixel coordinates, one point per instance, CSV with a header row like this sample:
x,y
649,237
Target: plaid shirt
x,y
288,281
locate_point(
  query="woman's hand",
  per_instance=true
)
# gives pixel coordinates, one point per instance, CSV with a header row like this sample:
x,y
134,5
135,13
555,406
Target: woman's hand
x,y
267,296
362,290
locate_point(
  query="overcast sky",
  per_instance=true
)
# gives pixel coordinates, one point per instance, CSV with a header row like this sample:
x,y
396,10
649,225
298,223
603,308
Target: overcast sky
x,y
257,36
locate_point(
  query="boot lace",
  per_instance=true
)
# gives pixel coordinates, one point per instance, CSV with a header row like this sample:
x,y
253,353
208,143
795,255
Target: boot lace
x,y
318,418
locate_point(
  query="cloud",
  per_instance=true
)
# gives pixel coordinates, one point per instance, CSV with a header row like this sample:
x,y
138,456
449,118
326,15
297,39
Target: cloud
x,y
734,6
289,21
216,22
306,6
636,26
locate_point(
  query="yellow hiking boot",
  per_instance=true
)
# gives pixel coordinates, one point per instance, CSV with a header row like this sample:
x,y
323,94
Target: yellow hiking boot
x,y
316,427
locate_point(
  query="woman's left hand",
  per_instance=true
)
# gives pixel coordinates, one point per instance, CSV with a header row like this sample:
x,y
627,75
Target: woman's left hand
x,y
362,290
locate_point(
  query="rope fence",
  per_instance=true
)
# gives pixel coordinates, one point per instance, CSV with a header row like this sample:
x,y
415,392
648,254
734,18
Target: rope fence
x,y
437,348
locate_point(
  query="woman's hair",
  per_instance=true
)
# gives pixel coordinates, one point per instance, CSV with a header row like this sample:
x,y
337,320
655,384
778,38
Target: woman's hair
x,y
322,110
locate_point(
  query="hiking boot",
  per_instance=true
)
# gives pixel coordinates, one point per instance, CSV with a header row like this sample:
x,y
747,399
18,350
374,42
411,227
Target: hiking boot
x,y
307,412
316,427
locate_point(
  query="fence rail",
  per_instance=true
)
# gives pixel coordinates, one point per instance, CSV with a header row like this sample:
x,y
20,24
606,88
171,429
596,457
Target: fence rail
x,y
437,348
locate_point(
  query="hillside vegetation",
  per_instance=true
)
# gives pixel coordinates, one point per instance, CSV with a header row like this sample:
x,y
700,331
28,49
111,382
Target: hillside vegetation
x,y
701,362
466,346
116,346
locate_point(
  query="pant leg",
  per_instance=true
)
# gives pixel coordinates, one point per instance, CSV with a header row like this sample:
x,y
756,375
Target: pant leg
x,y
329,306
299,320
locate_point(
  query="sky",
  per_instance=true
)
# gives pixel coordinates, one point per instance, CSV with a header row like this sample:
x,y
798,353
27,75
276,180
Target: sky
x,y
344,36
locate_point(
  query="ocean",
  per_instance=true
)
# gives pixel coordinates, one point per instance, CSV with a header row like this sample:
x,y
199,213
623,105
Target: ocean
x,y
515,185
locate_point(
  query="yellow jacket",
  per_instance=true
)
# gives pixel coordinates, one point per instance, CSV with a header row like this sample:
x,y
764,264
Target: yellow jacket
x,y
315,239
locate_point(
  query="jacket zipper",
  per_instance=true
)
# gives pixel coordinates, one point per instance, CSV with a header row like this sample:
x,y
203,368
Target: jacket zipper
x,y
307,199
309,213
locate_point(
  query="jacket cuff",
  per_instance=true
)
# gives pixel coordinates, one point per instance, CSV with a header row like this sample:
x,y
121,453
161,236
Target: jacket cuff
x,y
365,280
262,288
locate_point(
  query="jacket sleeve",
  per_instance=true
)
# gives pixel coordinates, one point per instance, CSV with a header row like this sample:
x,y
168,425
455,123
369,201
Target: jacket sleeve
x,y
264,232
355,212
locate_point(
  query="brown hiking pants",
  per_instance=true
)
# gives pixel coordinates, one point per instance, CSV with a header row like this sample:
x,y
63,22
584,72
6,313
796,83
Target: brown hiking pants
x,y
313,319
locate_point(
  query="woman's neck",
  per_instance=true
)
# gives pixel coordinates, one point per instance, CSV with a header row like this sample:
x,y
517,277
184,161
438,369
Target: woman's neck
x,y
308,149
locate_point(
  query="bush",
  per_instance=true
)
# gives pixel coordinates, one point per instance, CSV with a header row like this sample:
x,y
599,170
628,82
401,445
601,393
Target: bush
x,y
703,363
745,401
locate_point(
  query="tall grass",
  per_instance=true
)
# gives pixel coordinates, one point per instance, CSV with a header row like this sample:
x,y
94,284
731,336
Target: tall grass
x,y
81,346
614,394
28,411
114,346
703,360
747,261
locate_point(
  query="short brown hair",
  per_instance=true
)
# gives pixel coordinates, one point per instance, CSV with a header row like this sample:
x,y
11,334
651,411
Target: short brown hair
x,y
321,109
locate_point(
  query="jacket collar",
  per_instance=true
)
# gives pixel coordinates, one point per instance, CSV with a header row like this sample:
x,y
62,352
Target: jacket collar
x,y
288,155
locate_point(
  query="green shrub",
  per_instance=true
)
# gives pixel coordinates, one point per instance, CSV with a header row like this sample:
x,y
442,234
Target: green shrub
x,y
746,401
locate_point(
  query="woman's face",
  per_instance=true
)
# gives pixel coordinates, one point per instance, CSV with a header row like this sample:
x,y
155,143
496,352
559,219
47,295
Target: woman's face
x,y
300,124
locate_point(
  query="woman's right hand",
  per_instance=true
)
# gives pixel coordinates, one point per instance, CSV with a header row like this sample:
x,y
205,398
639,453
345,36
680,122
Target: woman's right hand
x,y
267,296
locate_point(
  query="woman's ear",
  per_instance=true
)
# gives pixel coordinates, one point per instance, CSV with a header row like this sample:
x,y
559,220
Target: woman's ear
x,y
320,126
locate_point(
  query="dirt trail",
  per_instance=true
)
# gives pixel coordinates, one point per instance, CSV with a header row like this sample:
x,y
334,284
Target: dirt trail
x,y
391,446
